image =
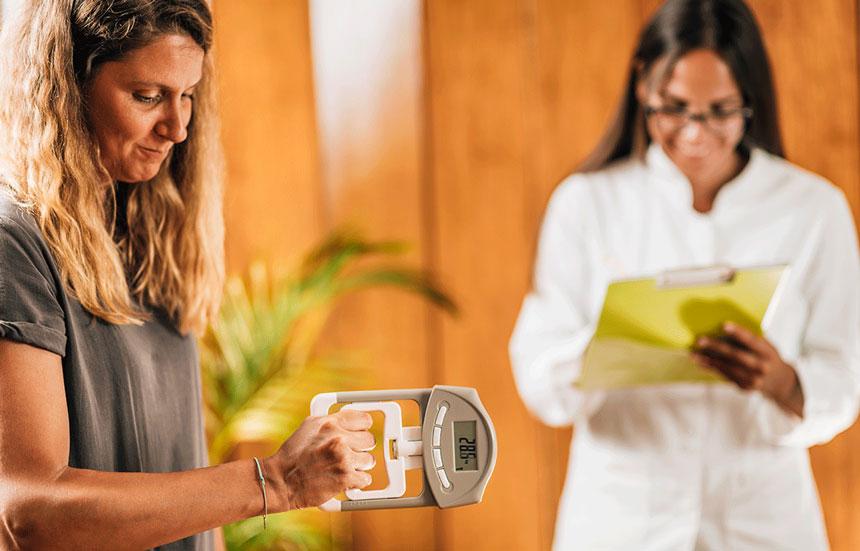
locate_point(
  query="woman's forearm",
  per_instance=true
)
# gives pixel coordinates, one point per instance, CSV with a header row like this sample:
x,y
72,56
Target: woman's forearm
x,y
84,509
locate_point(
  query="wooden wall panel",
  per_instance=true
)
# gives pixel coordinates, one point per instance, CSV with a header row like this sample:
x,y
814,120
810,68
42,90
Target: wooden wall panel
x,y
368,76
273,206
519,94
813,50
478,79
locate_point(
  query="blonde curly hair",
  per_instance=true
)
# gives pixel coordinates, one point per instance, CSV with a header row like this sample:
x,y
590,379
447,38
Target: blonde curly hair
x,y
172,256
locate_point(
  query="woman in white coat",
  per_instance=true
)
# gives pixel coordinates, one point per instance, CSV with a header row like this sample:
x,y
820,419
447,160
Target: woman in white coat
x,y
689,174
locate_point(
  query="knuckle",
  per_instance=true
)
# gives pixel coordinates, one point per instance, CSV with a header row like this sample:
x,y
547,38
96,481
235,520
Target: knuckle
x,y
310,424
344,467
327,424
329,455
338,444
334,448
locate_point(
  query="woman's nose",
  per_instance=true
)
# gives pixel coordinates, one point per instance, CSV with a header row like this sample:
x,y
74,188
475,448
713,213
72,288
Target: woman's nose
x,y
692,130
173,125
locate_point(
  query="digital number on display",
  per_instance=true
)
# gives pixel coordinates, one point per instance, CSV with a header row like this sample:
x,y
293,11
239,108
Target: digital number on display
x,y
466,446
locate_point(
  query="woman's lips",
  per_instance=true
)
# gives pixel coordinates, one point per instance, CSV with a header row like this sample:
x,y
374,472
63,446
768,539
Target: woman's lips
x,y
154,153
693,152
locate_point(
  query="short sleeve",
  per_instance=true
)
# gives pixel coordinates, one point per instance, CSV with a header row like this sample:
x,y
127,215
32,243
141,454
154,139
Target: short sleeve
x,y
30,310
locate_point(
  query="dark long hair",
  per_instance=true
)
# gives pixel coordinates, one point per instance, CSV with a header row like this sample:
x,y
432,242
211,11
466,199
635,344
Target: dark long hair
x,y
727,27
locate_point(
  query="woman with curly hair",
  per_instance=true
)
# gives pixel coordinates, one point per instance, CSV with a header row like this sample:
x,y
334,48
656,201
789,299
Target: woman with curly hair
x,y
111,258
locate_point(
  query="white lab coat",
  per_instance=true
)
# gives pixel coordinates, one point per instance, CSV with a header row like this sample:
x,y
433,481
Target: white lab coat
x,y
692,466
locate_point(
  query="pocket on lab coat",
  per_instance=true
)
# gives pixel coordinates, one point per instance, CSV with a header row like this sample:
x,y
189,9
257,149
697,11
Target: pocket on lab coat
x,y
607,498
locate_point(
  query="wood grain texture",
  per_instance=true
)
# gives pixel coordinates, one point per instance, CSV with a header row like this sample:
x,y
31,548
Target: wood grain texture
x,y
273,201
368,76
477,66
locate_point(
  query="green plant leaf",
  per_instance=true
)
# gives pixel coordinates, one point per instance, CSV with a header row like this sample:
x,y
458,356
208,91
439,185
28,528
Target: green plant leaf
x,y
261,362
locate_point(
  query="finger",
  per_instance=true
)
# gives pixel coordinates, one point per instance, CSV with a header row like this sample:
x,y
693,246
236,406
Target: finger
x,y
736,374
362,441
363,461
718,349
748,338
727,352
359,479
352,419
740,379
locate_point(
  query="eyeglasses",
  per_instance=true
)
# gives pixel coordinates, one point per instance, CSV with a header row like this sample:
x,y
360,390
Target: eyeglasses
x,y
670,118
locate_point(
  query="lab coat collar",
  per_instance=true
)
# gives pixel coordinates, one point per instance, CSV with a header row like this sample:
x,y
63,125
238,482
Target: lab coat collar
x,y
743,189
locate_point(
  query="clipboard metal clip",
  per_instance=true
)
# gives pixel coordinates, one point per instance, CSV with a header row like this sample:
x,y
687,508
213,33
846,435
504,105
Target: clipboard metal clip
x,y
692,277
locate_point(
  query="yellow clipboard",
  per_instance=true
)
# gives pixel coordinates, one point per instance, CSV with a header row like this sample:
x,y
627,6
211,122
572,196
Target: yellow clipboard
x,y
648,326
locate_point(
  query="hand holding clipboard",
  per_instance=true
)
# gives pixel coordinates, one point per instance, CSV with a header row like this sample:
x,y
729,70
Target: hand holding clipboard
x,y
649,326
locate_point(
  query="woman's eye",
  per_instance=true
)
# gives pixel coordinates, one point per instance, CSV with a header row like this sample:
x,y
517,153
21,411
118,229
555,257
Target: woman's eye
x,y
189,96
147,99
723,112
675,109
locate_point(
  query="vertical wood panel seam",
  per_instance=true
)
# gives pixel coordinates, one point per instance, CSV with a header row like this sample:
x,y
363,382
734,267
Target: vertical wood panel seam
x,y
324,200
855,200
430,251
856,192
429,228
534,203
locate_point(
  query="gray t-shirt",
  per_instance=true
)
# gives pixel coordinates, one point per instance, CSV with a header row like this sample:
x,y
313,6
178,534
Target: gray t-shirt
x,y
132,392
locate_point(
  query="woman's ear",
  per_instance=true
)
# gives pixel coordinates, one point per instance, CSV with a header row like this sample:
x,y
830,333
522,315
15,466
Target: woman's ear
x,y
641,92
641,81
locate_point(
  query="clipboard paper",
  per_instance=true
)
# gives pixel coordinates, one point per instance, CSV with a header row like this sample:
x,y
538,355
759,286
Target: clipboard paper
x,y
647,328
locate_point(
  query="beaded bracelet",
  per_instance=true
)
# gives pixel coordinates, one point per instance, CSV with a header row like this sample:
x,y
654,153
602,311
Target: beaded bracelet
x,y
263,486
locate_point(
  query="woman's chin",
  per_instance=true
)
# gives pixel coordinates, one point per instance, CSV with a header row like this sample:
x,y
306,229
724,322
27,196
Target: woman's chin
x,y
687,157
699,163
138,174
